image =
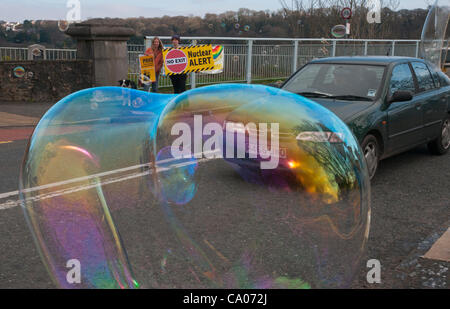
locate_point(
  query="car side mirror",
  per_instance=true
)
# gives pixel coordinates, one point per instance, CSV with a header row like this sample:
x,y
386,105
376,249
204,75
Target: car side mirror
x,y
401,96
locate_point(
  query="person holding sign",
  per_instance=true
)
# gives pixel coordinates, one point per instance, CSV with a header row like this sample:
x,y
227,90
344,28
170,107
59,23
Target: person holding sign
x,y
157,51
178,80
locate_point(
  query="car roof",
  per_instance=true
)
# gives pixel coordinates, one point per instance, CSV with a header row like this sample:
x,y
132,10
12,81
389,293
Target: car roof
x,y
374,60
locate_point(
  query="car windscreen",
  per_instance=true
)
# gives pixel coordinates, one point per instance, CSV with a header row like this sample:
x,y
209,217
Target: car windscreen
x,y
344,81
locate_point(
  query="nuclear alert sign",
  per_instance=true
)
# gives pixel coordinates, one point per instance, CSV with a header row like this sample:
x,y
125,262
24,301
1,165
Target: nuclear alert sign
x,y
188,59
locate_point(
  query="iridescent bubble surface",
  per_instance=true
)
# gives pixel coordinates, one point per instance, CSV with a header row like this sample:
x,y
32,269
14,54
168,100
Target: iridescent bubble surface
x,y
73,179
226,186
338,31
63,25
433,38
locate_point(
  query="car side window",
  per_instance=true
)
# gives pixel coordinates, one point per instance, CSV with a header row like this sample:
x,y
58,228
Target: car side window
x,y
436,78
445,81
402,79
423,76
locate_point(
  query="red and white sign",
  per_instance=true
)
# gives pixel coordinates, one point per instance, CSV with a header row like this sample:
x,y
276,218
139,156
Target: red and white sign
x,y
346,13
176,61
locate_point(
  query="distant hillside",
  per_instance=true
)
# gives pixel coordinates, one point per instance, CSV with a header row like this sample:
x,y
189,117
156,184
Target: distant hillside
x,y
310,23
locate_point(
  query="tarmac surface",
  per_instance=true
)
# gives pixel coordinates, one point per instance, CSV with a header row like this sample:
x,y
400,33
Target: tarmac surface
x,y
409,231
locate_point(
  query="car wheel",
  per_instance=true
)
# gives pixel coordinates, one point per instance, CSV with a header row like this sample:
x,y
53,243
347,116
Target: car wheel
x,y
371,153
441,145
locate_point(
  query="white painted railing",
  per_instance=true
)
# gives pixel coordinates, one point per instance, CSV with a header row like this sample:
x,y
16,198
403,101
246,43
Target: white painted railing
x,y
19,53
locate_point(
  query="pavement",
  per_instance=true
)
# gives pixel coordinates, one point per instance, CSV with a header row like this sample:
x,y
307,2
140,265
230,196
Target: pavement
x,y
10,120
409,231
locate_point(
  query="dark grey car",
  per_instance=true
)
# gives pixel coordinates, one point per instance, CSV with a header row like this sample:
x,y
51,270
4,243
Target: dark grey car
x,y
391,104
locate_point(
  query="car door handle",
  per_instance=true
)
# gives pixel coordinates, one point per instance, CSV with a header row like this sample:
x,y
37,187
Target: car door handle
x,y
418,106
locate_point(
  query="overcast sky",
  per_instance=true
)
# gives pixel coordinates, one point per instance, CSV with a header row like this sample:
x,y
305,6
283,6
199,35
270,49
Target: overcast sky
x,y
19,10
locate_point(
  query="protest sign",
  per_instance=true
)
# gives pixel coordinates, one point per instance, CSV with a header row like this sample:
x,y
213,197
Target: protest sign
x,y
147,65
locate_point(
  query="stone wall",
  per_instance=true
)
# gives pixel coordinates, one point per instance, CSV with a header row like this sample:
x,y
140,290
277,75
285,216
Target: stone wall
x,y
44,81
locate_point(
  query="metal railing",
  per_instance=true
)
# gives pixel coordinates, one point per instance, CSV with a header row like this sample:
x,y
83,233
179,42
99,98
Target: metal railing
x,y
19,53
256,59
13,53
133,60
249,59
61,54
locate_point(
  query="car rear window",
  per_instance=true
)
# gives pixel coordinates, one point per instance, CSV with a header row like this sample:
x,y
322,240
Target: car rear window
x,y
423,76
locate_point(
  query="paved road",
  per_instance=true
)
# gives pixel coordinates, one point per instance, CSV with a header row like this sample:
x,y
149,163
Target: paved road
x,y
410,211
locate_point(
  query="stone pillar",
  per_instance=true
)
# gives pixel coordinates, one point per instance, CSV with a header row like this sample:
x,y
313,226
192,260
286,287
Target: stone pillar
x,y
106,46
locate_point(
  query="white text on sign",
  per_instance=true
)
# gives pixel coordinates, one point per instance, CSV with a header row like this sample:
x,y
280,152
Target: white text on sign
x,y
176,60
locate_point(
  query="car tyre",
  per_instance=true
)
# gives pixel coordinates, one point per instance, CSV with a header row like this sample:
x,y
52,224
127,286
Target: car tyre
x,y
371,151
441,145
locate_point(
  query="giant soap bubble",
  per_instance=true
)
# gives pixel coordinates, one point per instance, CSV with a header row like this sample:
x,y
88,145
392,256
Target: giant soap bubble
x,y
339,31
434,38
227,186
